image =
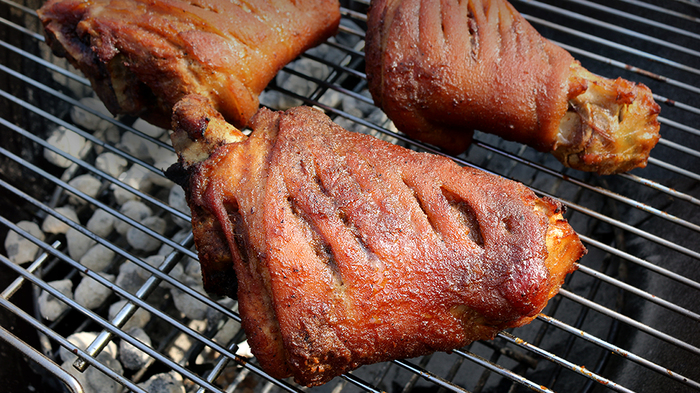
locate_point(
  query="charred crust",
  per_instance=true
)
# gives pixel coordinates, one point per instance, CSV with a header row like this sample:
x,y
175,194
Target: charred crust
x,y
192,114
222,283
197,128
178,174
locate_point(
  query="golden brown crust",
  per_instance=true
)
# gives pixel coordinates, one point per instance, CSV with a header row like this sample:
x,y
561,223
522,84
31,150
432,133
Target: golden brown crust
x,y
350,250
462,66
441,69
142,56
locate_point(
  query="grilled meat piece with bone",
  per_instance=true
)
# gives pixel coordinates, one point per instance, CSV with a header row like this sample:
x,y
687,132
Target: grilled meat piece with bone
x,y
348,250
442,68
142,56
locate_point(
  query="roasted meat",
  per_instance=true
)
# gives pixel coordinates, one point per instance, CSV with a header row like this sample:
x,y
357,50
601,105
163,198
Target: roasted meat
x,y
142,56
441,69
345,250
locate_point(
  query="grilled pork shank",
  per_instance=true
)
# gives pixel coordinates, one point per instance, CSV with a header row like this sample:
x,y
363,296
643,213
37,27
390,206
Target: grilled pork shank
x,y
142,56
442,68
347,250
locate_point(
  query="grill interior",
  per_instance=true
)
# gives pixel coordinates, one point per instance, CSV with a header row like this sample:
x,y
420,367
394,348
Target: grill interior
x,y
627,320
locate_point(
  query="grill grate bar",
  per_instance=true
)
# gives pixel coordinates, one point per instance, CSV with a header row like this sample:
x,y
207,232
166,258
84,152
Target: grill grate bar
x,y
45,63
662,10
624,66
643,294
14,287
154,271
629,228
630,321
658,187
140,303
679,126
70,381
351,51
679,147
611,44
352,14
618,29
360,383
428,376
102,340
21,7
692,3
129,309
617,350
636,18
563,362
502,371
340,68
327,85
677,104
92,200
219,367
674,169
641,262
600,190
46,330
22,29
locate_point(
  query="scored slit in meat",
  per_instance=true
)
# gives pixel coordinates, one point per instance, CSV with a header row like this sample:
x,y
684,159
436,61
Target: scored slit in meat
x,y
142,56
345,250
441,69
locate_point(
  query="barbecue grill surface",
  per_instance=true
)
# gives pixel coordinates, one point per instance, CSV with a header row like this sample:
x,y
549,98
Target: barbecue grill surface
x,y
626,321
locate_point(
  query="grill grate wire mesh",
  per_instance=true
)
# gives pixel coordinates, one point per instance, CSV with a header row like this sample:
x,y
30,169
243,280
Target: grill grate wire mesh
x,y
625,321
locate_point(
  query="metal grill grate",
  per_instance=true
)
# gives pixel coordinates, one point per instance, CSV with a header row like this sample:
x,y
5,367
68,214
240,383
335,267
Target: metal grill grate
x,y
627,320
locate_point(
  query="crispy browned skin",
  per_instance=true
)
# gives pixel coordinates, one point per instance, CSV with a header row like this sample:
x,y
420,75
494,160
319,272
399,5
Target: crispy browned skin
x,y
441,69
142,56
349,250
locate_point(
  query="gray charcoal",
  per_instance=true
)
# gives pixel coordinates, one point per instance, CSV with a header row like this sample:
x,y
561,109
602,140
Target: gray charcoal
x,y
82,340
67,141
131,357
94,380
88,120
111,163
52,224
97,258
145,242
49,306
139,319
191,307
164,383
101,223
176,199
148,128
138,178
135,210
91,294
78,244
20,249
87,184
128,278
